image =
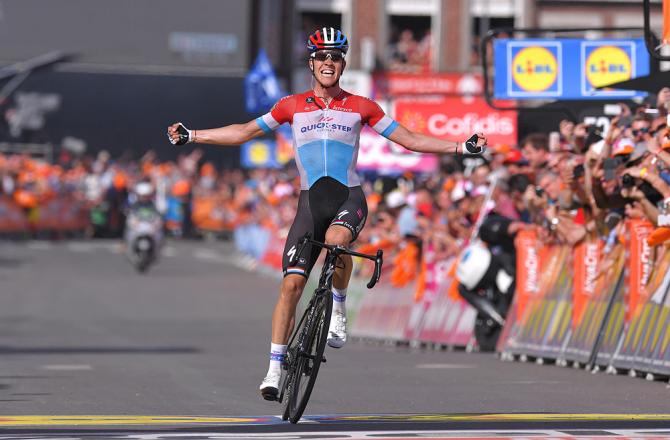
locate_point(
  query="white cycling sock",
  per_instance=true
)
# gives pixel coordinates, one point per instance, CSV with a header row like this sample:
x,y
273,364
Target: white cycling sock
x,y
339,298
277,353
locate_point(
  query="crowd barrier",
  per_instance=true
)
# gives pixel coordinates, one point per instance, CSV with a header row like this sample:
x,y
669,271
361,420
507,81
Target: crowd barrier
x,y
423,309
58,215
601,305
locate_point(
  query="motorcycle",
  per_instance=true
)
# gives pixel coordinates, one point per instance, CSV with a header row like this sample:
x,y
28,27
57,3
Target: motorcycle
x,y
144,237
487,284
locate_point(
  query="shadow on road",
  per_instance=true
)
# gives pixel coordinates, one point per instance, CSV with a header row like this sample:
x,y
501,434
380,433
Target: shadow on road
x,y
4,350
11,263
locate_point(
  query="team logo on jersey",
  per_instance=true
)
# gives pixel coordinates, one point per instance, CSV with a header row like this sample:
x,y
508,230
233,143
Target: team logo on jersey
x,y
342,214
535,69
328,126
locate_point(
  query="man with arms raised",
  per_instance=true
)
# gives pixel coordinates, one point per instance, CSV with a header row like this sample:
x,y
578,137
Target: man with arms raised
x,y
326,123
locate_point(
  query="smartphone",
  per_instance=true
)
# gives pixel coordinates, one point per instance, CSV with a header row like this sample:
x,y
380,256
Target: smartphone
x,y
554,141
625,121
578,171
610,166
627,181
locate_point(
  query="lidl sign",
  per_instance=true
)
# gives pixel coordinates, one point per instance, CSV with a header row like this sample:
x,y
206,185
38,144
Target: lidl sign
x,y
567,68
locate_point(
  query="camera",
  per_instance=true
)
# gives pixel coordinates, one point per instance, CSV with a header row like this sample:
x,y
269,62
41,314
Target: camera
x,y
539,191
578,171
627,181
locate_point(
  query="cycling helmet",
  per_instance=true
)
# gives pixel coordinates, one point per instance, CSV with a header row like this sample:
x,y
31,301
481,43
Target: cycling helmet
x,y
327,38
144,189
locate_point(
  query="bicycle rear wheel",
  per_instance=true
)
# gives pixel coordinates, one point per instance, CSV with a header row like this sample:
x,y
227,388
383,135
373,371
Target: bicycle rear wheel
x,y
309,354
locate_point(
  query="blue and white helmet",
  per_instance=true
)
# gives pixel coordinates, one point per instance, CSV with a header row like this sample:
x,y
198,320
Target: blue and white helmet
x,y
327,38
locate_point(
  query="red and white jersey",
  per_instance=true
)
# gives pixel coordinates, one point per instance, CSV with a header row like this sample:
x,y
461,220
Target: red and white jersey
x,y
326,137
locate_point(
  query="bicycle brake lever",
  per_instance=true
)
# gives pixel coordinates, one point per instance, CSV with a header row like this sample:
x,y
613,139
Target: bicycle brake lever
x,y
379,260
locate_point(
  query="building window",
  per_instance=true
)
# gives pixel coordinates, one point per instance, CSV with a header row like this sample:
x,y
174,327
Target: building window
x,y
410,43
480,26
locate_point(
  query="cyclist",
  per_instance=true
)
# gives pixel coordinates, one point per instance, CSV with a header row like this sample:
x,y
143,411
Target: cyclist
x,y
326,123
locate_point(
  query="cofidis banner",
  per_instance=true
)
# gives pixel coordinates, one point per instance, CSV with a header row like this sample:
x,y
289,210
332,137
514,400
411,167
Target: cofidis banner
x,y
567,68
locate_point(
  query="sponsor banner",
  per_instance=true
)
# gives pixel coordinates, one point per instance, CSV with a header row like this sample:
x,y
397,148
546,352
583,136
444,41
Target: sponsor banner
x,y
260,153
376,153
12,217
609,283
567,68
653,355
457,118
639,262
273,252
440,318
586,258
61,214
659,360
547,315
651,347
528,269
645,315
386,314
388,84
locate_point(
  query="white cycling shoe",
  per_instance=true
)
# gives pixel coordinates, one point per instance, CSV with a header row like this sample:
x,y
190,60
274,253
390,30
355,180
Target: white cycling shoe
x,y
270,386
337,332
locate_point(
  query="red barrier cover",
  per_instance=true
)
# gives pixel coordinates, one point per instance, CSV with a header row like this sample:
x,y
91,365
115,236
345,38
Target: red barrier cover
x,y
12,217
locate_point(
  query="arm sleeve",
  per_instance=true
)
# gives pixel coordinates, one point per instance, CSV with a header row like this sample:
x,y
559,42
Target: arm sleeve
x,y
281,112
373,115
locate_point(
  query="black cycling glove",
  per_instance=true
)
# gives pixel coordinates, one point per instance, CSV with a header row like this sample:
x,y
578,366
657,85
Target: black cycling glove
x,y
470,146
185,135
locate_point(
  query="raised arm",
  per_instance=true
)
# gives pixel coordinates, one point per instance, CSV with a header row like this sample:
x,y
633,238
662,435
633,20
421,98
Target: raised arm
x,y
234,134
427,144
373,115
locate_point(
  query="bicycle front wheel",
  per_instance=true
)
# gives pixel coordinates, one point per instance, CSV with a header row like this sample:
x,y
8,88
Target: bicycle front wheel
x,y
309,356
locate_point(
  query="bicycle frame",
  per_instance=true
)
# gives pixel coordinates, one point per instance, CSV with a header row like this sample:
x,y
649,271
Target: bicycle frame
x,y
323,289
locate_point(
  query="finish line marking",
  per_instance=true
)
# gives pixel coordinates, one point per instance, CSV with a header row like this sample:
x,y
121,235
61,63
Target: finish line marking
x,y
90,420
76,420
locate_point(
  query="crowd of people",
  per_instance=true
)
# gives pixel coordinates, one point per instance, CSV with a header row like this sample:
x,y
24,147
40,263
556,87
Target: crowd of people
x,y
409,52
577,182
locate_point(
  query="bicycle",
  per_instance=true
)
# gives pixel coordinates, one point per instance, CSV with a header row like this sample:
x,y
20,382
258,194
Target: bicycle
x,y
308,341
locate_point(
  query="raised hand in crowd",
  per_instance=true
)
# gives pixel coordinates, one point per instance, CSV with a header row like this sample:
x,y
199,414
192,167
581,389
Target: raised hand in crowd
x,y
649,174
638,200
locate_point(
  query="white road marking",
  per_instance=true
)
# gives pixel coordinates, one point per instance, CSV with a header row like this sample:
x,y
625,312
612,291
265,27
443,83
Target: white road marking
x,y
445,366
168,251
40,245
67,367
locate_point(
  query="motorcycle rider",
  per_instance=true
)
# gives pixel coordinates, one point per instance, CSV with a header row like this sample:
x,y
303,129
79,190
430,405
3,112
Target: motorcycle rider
x,y
143,210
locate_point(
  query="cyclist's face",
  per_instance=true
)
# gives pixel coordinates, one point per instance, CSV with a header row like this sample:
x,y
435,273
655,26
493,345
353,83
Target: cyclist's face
x,y
327,72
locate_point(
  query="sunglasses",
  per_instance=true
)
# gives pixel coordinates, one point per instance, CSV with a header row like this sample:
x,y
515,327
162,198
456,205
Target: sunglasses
x,y
323,55
641,130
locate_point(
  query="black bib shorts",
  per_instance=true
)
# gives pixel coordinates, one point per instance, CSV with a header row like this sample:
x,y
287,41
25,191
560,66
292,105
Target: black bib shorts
x,y
327,202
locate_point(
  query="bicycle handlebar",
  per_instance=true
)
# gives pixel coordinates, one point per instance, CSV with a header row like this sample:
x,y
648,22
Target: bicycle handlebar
x,y
341,250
